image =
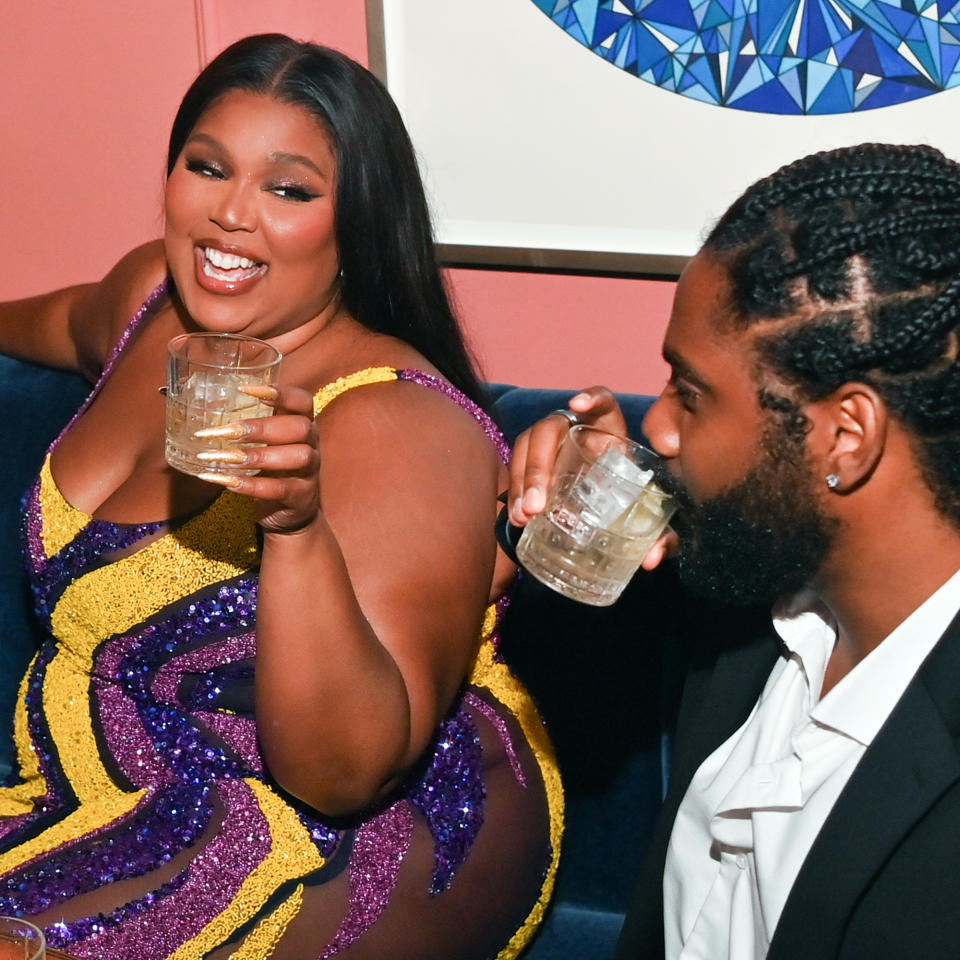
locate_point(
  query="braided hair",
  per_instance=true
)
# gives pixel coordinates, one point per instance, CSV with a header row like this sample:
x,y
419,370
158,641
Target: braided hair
x,y
848,264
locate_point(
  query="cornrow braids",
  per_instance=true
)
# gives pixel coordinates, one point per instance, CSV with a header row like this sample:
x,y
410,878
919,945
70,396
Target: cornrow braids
x,y
849,258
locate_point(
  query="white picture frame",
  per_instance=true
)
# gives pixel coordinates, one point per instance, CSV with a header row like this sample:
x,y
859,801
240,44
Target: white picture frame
x,y
537,153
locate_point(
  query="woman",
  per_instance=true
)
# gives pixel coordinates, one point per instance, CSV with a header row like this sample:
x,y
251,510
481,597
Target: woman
x,y
395,768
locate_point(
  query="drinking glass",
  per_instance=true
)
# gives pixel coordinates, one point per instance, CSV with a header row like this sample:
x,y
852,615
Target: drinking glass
x,y
603,514
204,372
20,940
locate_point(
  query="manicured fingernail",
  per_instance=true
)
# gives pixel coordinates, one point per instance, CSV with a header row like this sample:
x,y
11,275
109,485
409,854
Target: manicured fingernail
x,y
230,431
262,391
222,456
222,479
533,500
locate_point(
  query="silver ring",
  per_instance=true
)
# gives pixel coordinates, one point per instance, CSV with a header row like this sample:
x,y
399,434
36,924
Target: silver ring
x,y
569,415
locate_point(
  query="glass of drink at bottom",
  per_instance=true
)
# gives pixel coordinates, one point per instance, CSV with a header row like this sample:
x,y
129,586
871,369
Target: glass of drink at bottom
x,y
204,372
603,514
21,940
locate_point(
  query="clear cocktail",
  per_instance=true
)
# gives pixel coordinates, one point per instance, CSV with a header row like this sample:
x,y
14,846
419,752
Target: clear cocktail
x,y
602,516
205,373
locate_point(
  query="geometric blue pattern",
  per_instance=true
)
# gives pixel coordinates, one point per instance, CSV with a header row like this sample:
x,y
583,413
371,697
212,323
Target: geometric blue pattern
x,y
775,56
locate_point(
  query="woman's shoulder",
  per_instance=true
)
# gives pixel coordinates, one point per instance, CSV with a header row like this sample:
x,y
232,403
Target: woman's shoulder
x,y
111,304
415,407
131,281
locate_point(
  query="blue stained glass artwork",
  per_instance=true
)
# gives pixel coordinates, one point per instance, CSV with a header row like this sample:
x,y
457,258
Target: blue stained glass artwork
x,y
775,56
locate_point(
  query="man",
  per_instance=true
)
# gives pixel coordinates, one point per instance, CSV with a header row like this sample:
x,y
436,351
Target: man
x,y
811,430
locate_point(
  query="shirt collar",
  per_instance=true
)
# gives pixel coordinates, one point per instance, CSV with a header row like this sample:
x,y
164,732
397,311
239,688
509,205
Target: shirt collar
x,y
861,702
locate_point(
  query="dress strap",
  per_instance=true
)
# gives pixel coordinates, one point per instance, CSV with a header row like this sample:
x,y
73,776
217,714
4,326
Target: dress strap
x,y
146,308
331,391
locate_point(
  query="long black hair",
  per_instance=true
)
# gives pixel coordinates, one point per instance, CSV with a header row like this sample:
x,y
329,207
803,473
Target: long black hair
x,y
851,258
391,282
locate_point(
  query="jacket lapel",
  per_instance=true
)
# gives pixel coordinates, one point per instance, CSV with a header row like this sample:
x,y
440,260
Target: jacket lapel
x,y
726,674
718,700
908,766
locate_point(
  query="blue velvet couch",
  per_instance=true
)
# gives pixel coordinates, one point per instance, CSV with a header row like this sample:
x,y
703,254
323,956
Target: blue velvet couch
x,y
594,671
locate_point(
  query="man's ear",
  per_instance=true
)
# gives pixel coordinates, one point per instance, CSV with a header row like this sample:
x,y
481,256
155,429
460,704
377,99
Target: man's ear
x,y
851,425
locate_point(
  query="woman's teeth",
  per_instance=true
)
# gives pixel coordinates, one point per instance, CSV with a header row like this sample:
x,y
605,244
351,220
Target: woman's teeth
x,y
228,266
229,261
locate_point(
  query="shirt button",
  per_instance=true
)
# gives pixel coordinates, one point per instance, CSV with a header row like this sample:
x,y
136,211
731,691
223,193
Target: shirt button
x,y
741,861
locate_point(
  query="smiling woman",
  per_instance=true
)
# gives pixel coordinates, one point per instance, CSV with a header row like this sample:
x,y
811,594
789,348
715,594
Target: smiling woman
x,y
270,718
244,218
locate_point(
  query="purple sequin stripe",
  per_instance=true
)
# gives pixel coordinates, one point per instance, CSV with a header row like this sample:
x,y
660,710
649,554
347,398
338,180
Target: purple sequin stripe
x,y
129,744
31,533
62,936
462,400
12,827
215,876
500,725
175,820
224,652
378,850
219,659
451,796
189,754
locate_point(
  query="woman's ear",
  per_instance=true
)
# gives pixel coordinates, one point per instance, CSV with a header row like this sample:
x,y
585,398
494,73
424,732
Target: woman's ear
x,y
851,427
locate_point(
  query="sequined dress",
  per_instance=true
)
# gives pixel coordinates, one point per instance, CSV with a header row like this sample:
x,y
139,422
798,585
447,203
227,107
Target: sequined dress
x,y
142,818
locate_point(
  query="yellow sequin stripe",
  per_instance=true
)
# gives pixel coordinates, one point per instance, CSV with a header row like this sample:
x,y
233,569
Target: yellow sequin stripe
x,y
83,821
19,799
495,677
66,706
359,379
216,545
261,943
61,521
292,855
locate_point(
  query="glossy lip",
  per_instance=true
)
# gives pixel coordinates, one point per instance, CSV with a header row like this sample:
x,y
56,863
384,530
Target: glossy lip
x,y
220,286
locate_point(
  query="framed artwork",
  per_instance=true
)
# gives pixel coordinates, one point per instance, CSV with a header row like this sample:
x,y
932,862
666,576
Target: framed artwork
x,y
607,135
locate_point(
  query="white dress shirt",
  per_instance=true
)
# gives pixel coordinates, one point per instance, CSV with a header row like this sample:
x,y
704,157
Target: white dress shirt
x,y
755,805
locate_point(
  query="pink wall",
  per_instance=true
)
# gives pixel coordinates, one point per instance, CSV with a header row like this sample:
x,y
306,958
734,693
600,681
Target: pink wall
x,y
90,92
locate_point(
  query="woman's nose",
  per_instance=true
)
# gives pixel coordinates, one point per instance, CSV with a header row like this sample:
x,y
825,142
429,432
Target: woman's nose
x,y
235,208
660,429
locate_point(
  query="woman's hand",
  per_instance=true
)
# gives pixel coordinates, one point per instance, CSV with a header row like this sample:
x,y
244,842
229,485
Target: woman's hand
x,y
287,489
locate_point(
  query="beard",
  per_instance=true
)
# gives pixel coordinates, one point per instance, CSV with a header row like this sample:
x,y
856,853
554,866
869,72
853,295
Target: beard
x,y
761,539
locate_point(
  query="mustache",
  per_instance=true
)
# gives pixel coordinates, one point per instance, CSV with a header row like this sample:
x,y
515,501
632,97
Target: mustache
x,y
671,485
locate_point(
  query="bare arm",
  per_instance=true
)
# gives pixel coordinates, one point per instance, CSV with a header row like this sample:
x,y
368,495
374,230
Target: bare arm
x,y
369,609
74,328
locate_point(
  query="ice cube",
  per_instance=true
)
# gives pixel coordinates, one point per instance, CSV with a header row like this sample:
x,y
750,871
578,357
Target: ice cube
x,y
603,496
620,465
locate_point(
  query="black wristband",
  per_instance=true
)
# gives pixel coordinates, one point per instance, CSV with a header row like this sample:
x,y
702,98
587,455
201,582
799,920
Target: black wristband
x,y
508,535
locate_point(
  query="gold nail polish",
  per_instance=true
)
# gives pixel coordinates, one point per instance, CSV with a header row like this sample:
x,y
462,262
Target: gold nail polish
x,y
222,479
262,391
229,431
232,455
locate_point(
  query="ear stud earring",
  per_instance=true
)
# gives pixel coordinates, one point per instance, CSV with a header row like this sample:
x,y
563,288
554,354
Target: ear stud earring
x,y
833,481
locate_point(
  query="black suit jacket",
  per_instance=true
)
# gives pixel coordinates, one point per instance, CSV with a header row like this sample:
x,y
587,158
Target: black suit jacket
x,y
882,879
